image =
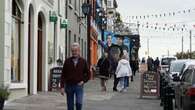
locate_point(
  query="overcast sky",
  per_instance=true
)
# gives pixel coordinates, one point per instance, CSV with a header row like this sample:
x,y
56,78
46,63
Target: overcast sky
x,y
160,42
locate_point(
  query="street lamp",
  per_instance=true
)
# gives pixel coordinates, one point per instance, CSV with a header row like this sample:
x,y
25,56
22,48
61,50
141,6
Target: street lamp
x,y
86,9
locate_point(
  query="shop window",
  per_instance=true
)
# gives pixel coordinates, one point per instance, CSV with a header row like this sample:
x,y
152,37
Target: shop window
x,y
16,42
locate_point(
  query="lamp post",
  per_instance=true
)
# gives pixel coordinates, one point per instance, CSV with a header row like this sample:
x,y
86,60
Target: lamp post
x,y
86,9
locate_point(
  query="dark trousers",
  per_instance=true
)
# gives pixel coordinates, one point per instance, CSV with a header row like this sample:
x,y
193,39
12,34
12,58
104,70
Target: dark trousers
x,y
116,80
72,91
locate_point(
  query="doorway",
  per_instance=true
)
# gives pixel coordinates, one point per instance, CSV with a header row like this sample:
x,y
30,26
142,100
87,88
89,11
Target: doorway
x,y
30,35
40,52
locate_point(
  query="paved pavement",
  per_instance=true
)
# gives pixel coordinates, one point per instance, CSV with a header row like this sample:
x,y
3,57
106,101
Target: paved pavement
x,y
94,99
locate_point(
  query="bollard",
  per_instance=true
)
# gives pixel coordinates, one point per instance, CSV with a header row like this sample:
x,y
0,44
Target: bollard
x,y
163,85
161,89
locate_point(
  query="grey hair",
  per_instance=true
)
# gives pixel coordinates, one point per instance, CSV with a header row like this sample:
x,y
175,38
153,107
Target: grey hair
x,y
75,45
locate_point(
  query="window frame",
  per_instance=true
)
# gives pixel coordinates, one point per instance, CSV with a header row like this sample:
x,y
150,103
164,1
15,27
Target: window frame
x,y
16,26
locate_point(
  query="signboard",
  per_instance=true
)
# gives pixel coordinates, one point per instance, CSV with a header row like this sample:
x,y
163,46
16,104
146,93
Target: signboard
x,y
149,84
53,16
63,23
55,75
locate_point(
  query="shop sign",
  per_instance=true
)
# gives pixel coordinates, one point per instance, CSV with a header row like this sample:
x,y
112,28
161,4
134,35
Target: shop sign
x,y
53,16
64,23
55,76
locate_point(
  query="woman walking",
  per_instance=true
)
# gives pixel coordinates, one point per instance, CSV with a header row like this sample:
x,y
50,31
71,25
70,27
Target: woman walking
x,y
104,66
123,70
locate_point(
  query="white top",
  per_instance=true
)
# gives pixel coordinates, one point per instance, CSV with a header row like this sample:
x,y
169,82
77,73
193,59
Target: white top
x,y
123,68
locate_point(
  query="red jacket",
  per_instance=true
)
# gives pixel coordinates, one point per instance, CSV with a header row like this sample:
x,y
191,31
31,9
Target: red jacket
x,y
74,74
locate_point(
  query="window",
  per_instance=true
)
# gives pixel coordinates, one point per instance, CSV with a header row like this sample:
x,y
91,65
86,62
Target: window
x,y
187,76
70,1
82,47
75,38
69,42
66,46
79,40
15,42
75,4
85,48
109,3
60,2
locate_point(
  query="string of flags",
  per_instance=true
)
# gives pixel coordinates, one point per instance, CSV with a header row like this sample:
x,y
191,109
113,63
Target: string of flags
x,y
167,14
177,26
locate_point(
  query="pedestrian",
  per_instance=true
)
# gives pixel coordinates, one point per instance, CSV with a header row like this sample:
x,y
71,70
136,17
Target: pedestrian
x,y
150,63
143,61
104,70
75,73
156,64
133,67
126,55
123,70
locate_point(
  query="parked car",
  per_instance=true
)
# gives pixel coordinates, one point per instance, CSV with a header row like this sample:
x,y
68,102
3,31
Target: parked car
x,y
176,67
165,62
185,90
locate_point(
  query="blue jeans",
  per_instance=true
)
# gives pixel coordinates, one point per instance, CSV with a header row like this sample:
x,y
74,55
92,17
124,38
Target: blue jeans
x,y
123,83
126,84
73,90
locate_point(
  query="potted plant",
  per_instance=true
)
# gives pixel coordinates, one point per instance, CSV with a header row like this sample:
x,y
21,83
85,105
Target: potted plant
x,y
4,94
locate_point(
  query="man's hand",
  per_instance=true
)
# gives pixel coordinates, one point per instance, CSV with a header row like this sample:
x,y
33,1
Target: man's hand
x,y
81,83
62,91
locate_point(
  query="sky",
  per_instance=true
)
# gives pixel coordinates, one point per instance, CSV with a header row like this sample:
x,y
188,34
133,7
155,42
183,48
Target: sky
x,y
160,42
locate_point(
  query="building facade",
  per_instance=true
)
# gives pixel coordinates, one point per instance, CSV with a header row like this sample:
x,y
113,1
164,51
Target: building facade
x,y
33,37
111,6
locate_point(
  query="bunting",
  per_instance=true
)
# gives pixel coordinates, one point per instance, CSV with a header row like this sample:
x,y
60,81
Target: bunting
x,y
178,26
167,14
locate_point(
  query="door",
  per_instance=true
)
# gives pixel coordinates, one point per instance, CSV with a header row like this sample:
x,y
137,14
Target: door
x,y
39,53
30,35
185,84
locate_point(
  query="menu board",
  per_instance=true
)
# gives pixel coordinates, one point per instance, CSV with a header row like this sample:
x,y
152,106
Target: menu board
x,y
149,84
55,78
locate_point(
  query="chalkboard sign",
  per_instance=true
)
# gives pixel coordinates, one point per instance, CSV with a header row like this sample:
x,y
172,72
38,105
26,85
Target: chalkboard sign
x,y
149,84
55,75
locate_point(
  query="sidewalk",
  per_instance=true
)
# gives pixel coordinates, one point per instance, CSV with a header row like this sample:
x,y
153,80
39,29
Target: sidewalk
x,y
94,99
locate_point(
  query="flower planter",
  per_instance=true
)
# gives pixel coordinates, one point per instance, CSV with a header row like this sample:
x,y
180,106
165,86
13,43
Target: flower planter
x,y
2,101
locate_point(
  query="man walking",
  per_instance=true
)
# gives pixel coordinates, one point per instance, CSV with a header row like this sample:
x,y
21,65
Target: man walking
x,y
75,73
156,64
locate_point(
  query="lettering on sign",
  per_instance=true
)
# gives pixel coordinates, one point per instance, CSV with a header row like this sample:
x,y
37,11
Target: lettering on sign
x,y
149,84
55,77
